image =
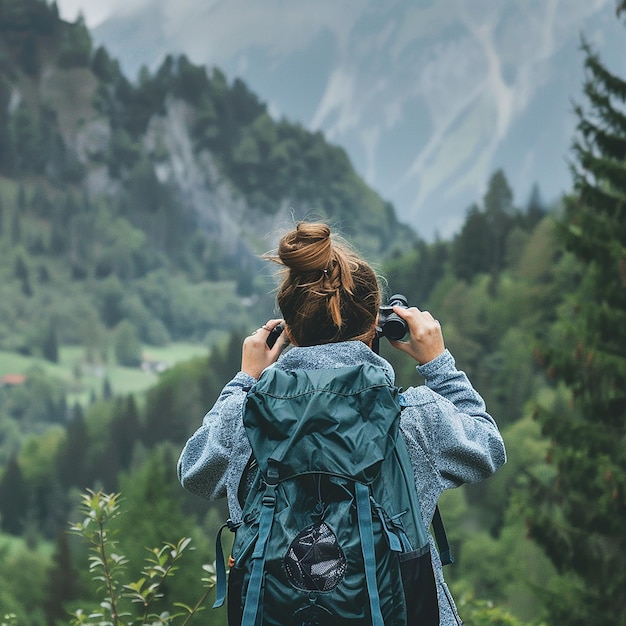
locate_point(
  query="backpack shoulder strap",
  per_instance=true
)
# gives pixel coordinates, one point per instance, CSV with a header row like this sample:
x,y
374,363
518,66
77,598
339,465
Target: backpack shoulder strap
x,y
364,513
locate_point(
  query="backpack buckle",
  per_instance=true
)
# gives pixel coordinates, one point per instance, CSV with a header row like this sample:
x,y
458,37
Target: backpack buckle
x,y
269,497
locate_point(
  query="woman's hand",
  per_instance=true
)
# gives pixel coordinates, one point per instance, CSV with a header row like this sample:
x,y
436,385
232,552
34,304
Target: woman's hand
x,y
425,340
256,355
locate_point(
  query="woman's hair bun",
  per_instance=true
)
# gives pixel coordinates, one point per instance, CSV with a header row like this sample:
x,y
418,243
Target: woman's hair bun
x,y
328,293
307,248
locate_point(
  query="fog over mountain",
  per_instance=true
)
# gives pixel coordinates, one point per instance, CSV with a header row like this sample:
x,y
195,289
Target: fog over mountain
x,y
428,97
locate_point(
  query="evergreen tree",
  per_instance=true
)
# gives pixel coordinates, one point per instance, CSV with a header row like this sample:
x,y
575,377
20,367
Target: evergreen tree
x,y
28,139
416,273
75,45
50,347
22,274
578,516
171,402
125,429
535,209
103,66
109,465
6,140
107,389
29,55
21,199
71,464
63,583
13,498
16,227
470,250
498,202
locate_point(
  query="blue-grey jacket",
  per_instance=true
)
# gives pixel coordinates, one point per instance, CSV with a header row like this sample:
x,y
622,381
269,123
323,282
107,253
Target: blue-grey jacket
x,y
450,437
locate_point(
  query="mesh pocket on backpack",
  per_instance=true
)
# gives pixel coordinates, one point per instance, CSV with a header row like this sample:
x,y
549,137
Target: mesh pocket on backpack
x,y
315,560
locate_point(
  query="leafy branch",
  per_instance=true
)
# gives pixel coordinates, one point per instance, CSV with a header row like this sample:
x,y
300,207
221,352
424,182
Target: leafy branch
x,y
108,568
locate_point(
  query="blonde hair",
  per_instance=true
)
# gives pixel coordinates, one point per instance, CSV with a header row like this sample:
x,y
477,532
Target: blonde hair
x,y
328,292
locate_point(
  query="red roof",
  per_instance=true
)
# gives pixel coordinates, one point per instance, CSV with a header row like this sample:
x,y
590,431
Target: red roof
x,y
13,379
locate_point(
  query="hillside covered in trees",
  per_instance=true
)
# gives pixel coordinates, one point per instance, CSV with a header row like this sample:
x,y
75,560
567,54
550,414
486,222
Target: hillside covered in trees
x,y
130,200
131,215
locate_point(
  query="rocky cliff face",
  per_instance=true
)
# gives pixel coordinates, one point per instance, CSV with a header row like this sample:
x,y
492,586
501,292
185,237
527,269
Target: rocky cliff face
x,y
221,211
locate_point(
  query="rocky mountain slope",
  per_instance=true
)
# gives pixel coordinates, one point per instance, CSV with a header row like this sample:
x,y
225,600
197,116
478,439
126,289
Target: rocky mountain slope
x,y
214,155
429,97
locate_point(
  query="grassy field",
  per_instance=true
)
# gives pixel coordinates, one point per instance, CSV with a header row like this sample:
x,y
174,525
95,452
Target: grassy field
x,y
83,379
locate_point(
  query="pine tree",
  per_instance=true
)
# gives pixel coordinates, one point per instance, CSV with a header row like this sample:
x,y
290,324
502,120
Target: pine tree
x,y
470,250
579,516
50,348
125,429
107,389
72,462
22,273
498,202
63,583
16,228
13,498
535,209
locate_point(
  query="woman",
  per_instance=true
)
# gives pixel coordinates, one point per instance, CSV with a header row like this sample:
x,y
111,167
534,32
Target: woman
x,y
329,299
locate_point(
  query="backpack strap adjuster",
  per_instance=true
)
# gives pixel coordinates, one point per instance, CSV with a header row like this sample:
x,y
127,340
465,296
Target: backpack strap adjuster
x,y
269,497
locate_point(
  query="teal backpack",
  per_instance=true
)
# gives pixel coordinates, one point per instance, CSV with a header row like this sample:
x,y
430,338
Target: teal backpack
x,y
332,532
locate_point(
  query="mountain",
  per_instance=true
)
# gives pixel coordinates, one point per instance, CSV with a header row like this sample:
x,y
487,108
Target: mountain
x,y
428,97
211,143
149,201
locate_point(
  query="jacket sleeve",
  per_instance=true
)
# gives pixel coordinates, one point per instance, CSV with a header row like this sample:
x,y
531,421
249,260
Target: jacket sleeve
x,y
211,458
452,426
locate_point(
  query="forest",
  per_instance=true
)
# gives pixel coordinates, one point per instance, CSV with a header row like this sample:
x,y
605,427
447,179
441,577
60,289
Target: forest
x,y
106,257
